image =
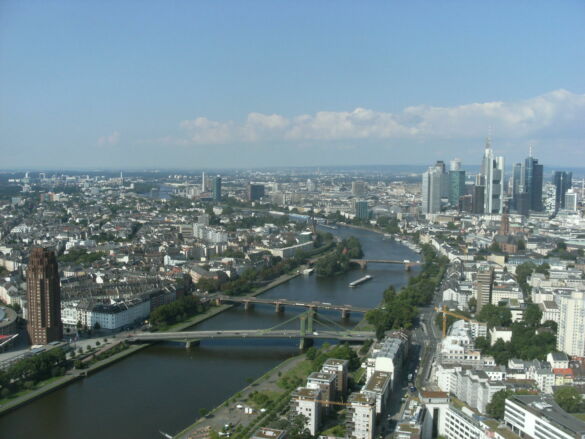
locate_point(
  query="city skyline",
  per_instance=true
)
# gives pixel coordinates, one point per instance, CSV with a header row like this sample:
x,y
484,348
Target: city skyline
x,y
263,85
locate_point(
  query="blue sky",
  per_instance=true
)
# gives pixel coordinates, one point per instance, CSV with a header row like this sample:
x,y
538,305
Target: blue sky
x,y
191,84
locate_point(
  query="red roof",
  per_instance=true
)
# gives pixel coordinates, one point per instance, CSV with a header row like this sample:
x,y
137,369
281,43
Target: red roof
x,y
563,371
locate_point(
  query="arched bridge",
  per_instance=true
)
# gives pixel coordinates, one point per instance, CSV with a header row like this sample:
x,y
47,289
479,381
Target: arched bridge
x,y
280,304
363,263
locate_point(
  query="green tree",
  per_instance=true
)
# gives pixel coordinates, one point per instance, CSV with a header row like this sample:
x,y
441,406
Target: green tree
x,y
569,399
495,315
498,403
532,315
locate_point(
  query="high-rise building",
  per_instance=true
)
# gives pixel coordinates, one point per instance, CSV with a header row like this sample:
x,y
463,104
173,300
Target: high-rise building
x,y
361,209
255,191
563,182
361,416
492,175
571,200
533,183
455,165
43,297
217,188
440,165
517,183
431,190
203,182
358,188
483,286
477,204
571,328
456,186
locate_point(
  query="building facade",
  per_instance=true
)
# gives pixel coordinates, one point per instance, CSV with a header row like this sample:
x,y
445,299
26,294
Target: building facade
x,y
43,297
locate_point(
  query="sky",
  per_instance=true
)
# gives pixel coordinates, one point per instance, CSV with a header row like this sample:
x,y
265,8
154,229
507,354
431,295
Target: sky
x,y
125,84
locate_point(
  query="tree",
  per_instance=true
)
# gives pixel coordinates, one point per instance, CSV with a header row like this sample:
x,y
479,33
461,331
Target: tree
x,y
569,399
498,404
532,315
495,315
297,427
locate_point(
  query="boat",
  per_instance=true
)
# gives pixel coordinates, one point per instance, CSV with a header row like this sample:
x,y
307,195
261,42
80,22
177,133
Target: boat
x,y
361,280
308,271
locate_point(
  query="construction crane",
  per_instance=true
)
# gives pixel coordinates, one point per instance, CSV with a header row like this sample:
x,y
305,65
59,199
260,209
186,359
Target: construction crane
x,y
446,313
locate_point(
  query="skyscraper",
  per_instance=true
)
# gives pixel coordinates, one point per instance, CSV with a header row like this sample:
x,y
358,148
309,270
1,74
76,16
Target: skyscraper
x,y
217,188
492,174
440,165
533,183
517,183
563,182
43,297
456,186
431,190
203,182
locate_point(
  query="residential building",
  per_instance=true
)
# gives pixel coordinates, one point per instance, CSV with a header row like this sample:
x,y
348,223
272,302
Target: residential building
x,y
305,402
340,369
361,209
379,387
360,418
571,327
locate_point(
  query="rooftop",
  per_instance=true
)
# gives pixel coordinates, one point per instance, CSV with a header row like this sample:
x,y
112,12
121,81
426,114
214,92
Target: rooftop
x,y
543,406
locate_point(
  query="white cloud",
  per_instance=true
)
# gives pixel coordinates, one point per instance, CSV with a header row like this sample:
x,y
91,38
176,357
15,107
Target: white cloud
x,y
557,111
110,140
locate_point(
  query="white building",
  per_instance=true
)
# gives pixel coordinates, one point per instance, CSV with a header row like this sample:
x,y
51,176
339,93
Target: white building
x,y
540,417
499,333
571,330
387,356
431,190
305,402
379,387
361,416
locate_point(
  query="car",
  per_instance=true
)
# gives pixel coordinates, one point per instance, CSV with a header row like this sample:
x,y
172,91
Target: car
x,y
412,389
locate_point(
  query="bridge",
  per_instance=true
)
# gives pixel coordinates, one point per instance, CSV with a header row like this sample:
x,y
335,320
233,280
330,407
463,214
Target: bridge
x,y
280,304
195,336
363,263
307,333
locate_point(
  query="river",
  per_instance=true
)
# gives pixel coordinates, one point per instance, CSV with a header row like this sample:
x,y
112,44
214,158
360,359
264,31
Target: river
x,y
164,386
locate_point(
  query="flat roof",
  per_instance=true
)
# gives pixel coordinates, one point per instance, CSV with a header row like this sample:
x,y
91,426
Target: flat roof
x,y
378,381
546,407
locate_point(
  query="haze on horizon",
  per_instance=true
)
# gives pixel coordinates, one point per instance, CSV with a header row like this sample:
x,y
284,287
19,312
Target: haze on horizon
x,y
261,83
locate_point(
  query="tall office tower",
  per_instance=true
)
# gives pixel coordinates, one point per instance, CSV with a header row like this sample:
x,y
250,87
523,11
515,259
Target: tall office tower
x,y
358,188
440,165
455,165
431,190
217,188
570,338
203,182
571,200
517,182
361,209
255,191
563,182
456,186
477,201
492,174
533,183
483,286
43,297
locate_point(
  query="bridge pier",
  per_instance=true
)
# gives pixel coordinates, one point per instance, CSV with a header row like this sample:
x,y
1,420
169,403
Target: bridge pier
x,y
345,314
278,307
305,343
248,306
189,343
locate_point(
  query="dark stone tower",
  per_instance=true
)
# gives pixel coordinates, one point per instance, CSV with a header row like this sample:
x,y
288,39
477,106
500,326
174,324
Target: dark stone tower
x,y
44,297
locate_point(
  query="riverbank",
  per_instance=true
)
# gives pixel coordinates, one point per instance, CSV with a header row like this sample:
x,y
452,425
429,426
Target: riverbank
x,y
229,413
75,375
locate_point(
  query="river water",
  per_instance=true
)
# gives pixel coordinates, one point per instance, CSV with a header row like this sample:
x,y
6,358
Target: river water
x,y
164,386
